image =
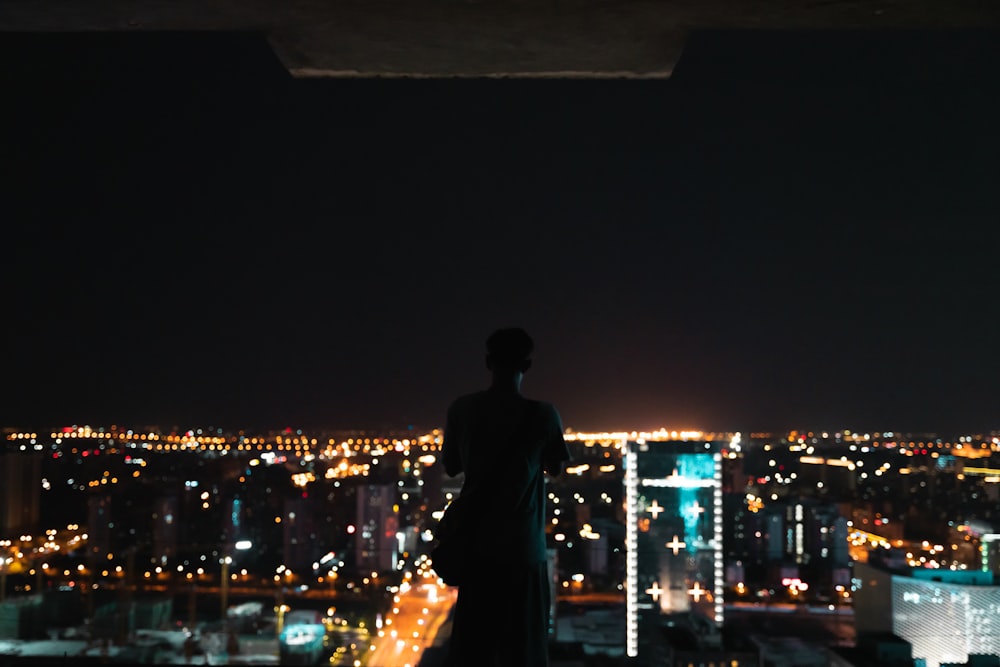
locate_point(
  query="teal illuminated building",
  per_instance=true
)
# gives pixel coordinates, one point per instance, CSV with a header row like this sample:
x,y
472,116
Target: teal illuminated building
x,y
303,639
673,504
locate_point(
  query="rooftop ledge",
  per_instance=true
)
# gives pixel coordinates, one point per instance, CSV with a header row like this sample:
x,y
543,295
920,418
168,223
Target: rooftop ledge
x,y
484,38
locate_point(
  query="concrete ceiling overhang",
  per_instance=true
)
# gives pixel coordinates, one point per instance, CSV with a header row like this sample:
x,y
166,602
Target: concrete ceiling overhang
x,y
477,38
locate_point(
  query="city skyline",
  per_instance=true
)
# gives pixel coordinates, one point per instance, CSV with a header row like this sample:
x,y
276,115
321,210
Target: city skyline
x,y
242,250
305,520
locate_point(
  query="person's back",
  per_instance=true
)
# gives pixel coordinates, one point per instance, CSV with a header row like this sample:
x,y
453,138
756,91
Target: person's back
x,y
505,444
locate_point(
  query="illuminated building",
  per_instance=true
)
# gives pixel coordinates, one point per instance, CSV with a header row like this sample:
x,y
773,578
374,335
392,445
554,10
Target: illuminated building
x,y
814,541
302,638
674,518
946,615
376,542
596,542
988,539
233,528
789,538
774,533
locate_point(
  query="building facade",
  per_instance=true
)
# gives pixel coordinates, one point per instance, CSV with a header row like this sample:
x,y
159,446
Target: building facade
x,y
20,491
945,615
165,527
674,523
377,543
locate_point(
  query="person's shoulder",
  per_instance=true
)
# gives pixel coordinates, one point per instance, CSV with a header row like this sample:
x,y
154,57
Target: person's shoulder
x,y
542,406
465,401
545,409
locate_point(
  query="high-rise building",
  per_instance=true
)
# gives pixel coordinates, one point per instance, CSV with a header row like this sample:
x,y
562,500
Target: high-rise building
x,y
674,523
815,532
301,545
100,526
946,615
826,536
165,522
234,526
596,543
377,545
774,533
20,491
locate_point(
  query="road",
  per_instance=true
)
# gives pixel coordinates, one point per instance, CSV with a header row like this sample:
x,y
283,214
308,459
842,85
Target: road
x,y
417,615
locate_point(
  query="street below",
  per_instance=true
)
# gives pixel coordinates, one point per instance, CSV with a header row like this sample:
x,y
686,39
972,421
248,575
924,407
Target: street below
x,y
411,626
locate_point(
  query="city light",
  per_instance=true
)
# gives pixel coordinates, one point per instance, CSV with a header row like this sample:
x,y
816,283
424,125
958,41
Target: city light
x,y
805,505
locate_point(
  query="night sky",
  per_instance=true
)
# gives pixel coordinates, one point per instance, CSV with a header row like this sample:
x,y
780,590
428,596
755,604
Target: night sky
x,y
193,239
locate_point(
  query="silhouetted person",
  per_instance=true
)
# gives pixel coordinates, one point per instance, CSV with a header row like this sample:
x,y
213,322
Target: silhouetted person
x,y
505,444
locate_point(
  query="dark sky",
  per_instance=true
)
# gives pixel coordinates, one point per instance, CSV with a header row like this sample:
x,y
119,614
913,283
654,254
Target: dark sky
x,y
803,241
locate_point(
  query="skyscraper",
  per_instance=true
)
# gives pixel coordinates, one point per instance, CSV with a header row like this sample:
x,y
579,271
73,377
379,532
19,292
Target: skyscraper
x,y
99,526
299,532
20,491
377,545
673,500
165,520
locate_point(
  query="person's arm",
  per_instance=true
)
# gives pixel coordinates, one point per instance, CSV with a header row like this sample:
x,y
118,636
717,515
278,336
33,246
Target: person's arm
x,y
556,453
450,450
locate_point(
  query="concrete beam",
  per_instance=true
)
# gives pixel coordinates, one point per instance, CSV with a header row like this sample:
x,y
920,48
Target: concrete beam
x,y
475,38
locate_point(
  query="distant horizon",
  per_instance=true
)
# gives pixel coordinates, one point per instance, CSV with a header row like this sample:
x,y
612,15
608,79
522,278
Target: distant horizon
x,y
399,429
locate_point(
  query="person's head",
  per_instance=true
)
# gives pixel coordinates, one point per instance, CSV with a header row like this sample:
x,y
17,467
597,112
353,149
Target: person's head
x,y
508,351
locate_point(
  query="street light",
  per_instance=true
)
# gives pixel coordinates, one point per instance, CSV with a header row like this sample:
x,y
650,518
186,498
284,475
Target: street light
x,y
281,609
224,588
4,562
